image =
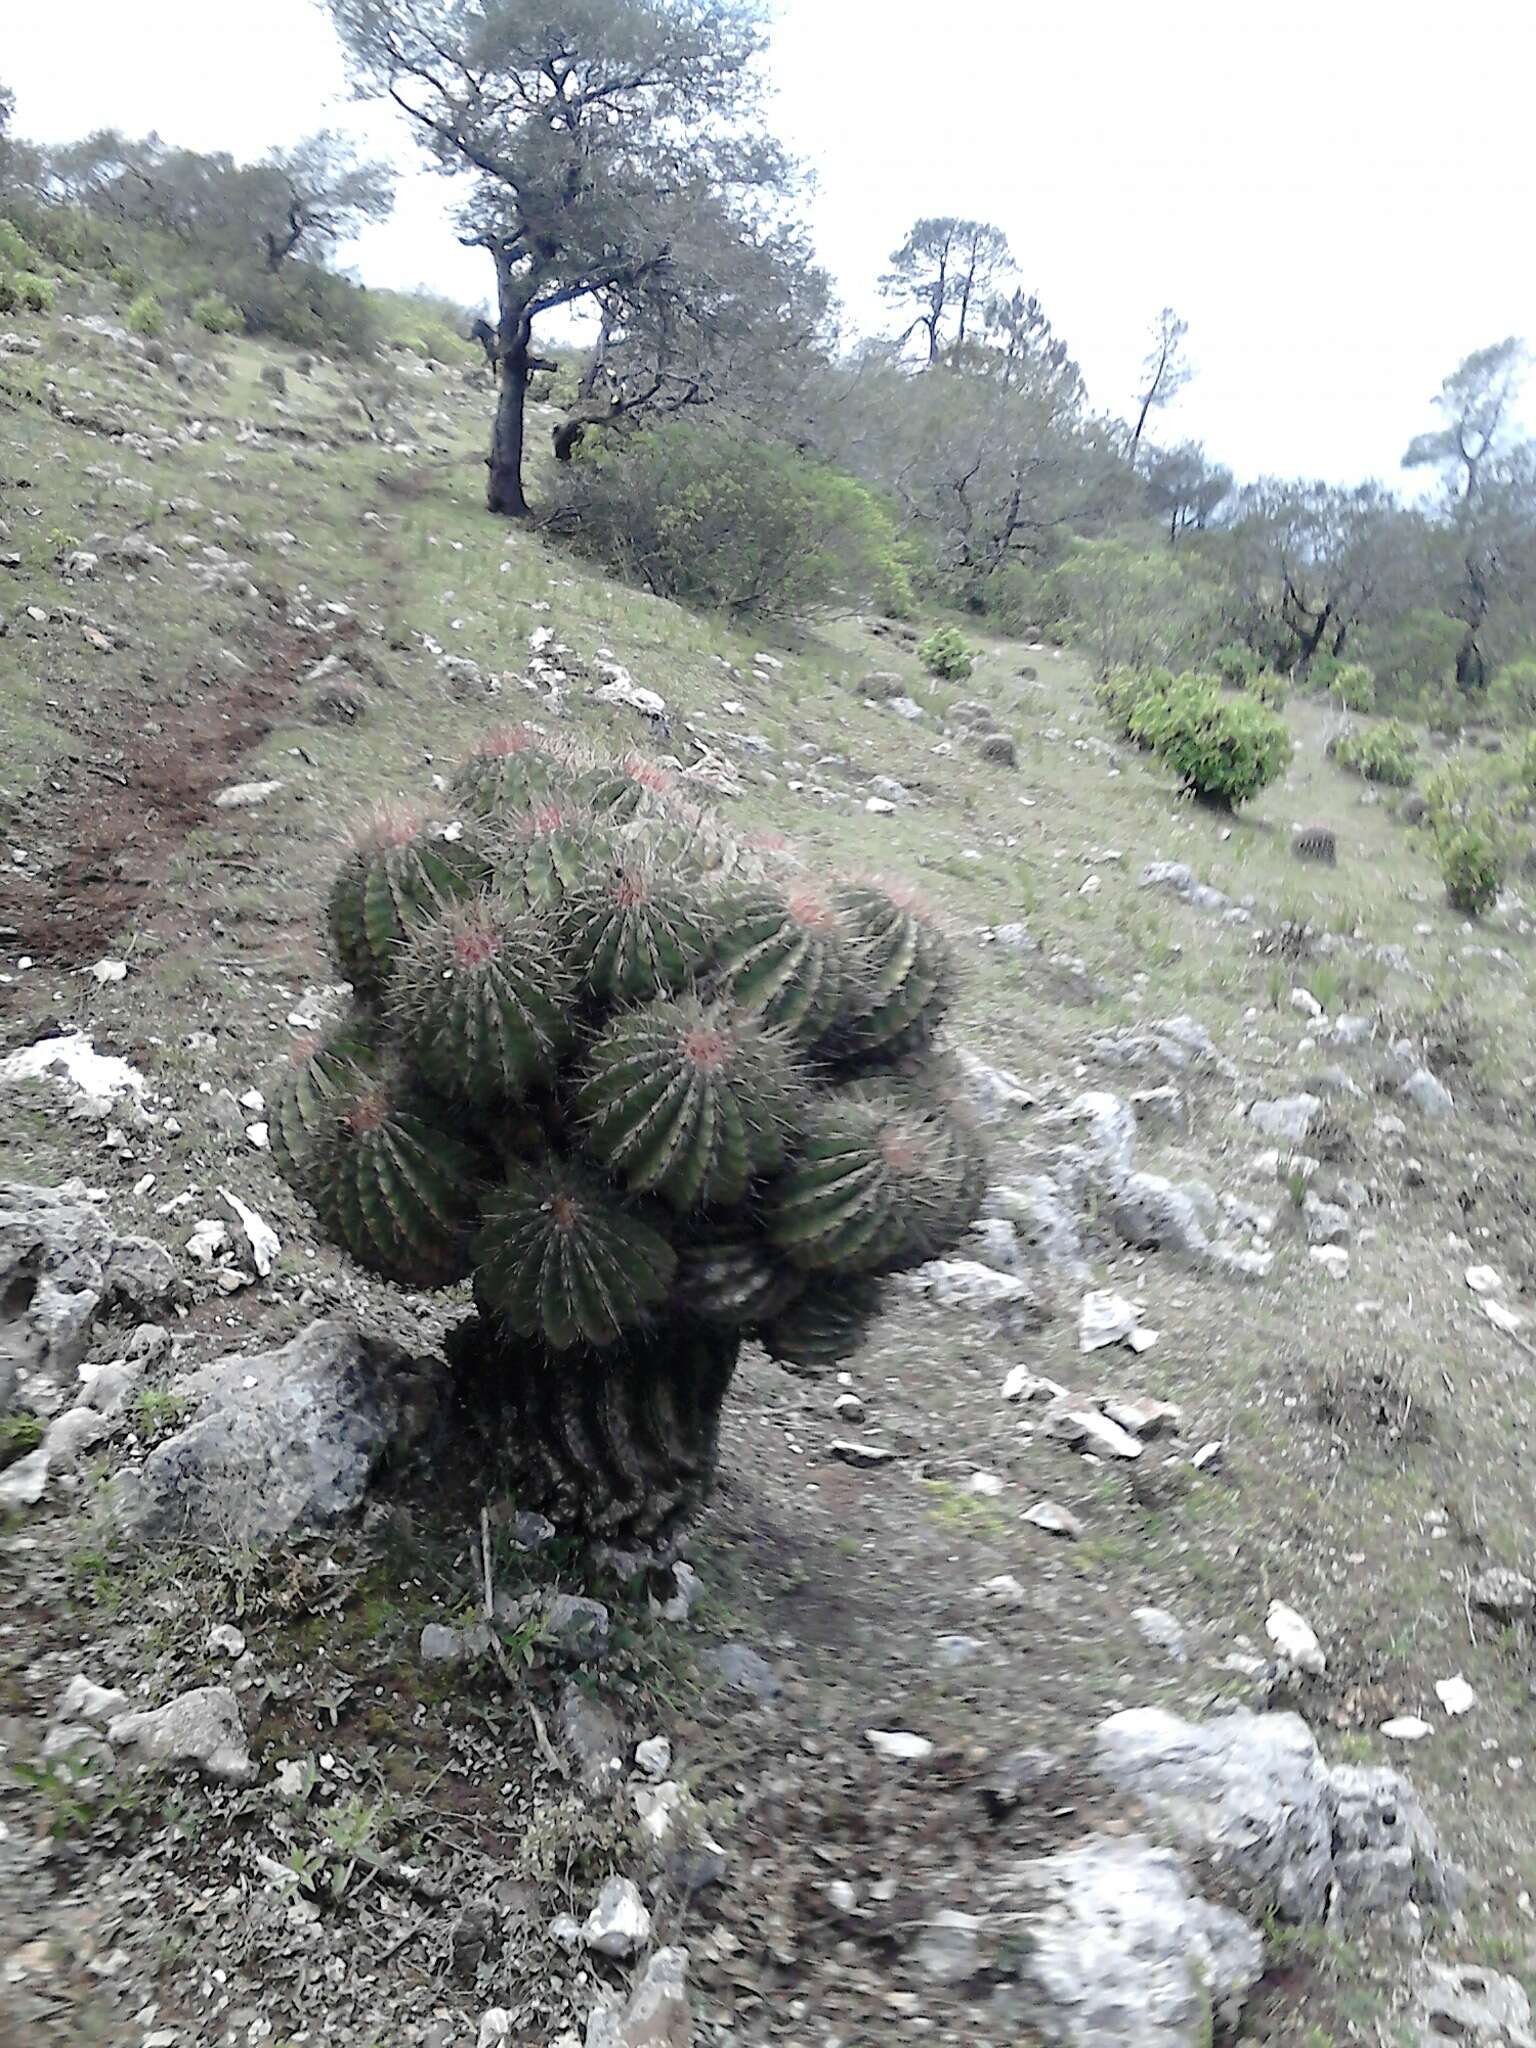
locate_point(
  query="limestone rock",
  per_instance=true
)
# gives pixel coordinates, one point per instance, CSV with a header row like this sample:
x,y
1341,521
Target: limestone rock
x,y
659,2013
618,1923
283,1440
1479,2008
201,1727
1122,1953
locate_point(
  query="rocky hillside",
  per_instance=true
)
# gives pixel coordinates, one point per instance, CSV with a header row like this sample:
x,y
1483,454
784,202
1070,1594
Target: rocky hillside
x,y
1132,1647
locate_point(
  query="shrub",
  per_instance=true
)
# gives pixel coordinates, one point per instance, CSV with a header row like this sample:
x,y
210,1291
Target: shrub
x,y
145,315
1444,711
1234,665
36,292
1124,693
1223,749
10,297
1472,862
945,654
1414,652
1512,693
647,1099
1354,687
1320,671
1269,687
718,519
15,251
215,315
1384,753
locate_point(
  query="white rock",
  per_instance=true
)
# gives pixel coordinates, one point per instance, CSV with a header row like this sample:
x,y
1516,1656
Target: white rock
x,y
868,1457
495,2027
987,1485
899,1745
22,1484
1406,1728
225,1640
1455,1695
565,1932
618,1923
966,1283
1483,1280
879,806
1303,1000
654,1756
1333,1259
1145,1417
245,796
1106,1318
1105,1438
210,1236
1294,1639
202,1727
1502,1318
263,1239
1054,1519
107,971
97,1078
1024,1385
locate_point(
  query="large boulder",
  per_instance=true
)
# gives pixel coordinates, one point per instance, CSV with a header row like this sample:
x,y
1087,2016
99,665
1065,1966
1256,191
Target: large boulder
x,y
1120,1951
281,1441
62,1266
1252,1794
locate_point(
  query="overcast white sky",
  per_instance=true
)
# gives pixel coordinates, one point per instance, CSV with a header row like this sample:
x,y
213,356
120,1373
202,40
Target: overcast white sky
x,y
1336,194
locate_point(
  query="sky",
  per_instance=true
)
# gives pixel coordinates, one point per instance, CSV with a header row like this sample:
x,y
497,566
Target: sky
x,y
1336,195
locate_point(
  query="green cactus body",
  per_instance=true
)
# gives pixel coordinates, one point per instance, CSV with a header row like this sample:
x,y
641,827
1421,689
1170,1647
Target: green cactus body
x,y
786,955
690,1100
623,790
486,1001
558,1256
824,1326
395,875
546,852
395,1190
735,1280
630,932
302,1102
876,1185
903,982
513,769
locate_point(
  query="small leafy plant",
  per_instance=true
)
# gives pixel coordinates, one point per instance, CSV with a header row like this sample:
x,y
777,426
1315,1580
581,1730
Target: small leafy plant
x,y
1224,749
1381,753
1353,687
946,655
1472,861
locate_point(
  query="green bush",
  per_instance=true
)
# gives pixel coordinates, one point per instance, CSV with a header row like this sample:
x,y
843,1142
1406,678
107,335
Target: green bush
x,y
648,1100
1444,711
215,315
1234,665
1522,772
1270,687
1130,697
1382,753
1354,687
145,316
1320,672
945,654
716,518
1472,862
10,296
15,250
1223,749
1512,693
36,292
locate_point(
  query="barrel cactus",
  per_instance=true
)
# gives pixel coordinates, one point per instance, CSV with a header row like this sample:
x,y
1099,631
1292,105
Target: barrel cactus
x,y
650,1093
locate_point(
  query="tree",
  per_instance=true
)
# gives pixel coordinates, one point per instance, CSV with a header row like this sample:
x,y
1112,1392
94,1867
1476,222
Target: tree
x,y
1312,561
946,268
595,140
1165,369
742,337
318,194
7,115
1487,486
1130,609
1184,490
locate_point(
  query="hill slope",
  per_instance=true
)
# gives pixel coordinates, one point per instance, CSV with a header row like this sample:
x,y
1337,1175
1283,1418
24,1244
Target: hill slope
x,y
210,584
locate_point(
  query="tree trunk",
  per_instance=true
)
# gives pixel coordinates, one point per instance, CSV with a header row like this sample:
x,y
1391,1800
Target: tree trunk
x,y
504,486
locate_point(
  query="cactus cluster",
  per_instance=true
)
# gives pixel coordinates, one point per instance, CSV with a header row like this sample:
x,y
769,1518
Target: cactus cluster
x,y
651,1094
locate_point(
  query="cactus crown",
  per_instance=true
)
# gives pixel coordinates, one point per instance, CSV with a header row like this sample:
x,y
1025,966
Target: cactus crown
x,y
629,1078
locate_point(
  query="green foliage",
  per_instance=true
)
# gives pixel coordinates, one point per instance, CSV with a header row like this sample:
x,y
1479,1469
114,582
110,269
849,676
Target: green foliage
x,y
1234,665
1269,687
1223,749
1131,607
1354,687
145,315
1473,857
10,295
1379,753
215,314
725,521
1414,654
20,1434
1131,698
639,1091
15,251
36,293
945,654
1512,693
